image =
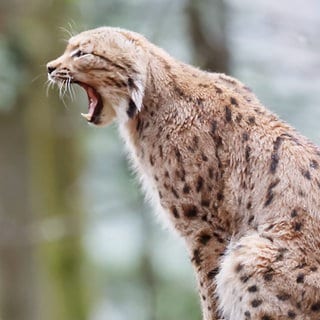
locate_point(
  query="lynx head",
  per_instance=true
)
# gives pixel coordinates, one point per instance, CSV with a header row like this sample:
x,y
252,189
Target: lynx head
x,y
111,65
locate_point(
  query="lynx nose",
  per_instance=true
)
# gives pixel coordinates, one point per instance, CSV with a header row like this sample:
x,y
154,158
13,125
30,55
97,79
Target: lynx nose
x,y
50,69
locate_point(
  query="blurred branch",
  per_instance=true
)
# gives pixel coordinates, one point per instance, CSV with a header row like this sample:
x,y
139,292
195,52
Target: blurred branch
x,y
207,25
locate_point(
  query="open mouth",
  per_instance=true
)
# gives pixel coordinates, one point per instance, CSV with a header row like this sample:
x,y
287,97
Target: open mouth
x,y
95,104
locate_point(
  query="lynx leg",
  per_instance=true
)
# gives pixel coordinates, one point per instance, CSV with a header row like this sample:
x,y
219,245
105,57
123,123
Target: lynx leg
x,y
256,281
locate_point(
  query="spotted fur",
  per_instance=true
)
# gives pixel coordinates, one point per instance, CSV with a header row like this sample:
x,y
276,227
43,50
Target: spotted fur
x,y
239,185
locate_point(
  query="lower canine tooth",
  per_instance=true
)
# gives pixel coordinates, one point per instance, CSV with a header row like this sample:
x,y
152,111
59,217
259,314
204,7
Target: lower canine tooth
x,y
87,116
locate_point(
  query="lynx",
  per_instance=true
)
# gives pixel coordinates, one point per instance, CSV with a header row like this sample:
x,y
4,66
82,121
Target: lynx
x,y
239,185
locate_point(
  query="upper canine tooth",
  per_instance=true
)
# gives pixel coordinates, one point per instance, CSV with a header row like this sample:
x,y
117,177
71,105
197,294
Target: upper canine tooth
x,y
87,116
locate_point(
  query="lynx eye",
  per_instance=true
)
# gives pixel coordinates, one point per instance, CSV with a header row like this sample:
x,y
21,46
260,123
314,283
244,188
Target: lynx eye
x,y
78,54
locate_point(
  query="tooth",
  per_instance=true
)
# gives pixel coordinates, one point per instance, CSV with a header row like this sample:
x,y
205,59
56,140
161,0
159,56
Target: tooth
x,y
87,116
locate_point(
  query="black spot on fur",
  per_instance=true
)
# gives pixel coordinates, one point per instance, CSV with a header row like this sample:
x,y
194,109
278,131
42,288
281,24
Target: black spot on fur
x,y
247,314
195,141
315,307
271,226
138,126
200,102
239,267
218,237
199,184
186,189
210,171
190,211
294,213
204,218
280,255
266,317
220,196
212,274
247,153
270,195
300,278
178,91
239,117
253,288
268,275
291,314
205,202
228,114
151,159
181,174
178,154
160,152
213,126
314,164
175,212
245,278
256,303
251,218
175,193
234,101
245,136
282,296
252,120
297,226
275,156
306,174
204,238
269,199
196,257
132,109
204,157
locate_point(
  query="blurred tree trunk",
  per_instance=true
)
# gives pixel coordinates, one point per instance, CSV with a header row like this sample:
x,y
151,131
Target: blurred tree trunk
x,y
55,169
17,279
207,24
39,131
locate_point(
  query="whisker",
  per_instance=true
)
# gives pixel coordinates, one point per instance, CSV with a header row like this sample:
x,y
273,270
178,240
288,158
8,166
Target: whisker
x,y
68,32
49,83
62,91
72,25
64,85
36,77
73,92
69,89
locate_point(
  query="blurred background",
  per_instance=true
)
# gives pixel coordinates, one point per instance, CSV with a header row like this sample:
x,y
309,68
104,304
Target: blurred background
x,y
77,240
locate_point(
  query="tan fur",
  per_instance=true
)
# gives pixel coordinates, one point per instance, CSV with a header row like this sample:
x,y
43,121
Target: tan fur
x,y
240,186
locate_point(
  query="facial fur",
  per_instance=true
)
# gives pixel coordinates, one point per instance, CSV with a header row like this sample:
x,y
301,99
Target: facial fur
x,y
110,61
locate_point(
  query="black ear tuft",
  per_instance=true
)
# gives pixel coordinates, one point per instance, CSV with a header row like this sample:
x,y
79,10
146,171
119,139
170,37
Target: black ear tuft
x,y
132,109
131,83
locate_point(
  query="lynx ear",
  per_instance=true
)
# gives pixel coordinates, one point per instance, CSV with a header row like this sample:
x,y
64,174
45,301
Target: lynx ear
x,y
136,92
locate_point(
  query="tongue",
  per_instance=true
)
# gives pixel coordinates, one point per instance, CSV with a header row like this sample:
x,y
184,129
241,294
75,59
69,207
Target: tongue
x,y
93,102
